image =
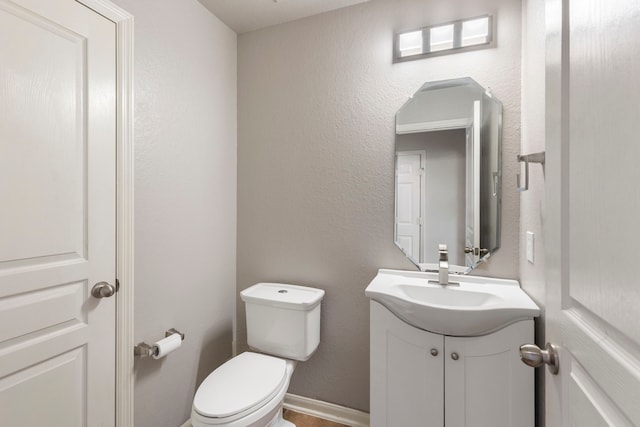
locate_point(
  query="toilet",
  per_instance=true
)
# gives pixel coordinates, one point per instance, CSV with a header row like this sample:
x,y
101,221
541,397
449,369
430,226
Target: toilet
x,y
283,327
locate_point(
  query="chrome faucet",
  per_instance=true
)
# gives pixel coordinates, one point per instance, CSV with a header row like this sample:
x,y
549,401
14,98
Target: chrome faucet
x,y
443,265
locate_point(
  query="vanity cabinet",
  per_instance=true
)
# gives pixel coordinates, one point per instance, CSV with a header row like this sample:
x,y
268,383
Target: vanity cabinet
x,y
419,378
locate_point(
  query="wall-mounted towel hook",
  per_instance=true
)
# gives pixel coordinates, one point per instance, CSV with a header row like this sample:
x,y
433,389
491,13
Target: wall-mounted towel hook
x,y
528,158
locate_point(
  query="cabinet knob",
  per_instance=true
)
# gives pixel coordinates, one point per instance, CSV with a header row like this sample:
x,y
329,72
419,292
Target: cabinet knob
x,y
434,352
532,355
455,356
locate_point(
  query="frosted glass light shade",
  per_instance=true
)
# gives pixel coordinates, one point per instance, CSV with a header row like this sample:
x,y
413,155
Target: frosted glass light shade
x,y
475,31
441,38
410,43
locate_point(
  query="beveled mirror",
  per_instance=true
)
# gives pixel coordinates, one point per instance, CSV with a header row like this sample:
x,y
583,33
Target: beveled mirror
x,y
448,174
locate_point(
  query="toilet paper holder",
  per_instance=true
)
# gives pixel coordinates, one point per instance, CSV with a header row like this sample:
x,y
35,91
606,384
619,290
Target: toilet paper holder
x,y
145,350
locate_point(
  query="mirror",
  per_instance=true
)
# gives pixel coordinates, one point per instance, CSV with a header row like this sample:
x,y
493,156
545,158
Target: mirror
x,y
448,174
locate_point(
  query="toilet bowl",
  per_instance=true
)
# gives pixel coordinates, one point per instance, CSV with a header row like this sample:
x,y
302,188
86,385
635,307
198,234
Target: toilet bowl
x,y
248,390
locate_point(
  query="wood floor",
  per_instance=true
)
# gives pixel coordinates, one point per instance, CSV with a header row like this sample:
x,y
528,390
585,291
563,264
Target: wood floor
x,y
303,420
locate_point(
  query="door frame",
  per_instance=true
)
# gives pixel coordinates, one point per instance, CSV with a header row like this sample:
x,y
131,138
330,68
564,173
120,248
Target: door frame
x,y
124,206
556,187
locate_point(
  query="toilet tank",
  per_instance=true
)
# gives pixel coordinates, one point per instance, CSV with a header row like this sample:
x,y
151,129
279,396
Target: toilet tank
x,y
283,320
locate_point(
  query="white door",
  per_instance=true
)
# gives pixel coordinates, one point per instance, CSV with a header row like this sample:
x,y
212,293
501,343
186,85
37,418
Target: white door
x,y
472,214
57,214
409,198
593,204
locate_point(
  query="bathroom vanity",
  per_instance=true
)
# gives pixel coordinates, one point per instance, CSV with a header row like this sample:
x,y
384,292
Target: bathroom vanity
x,y
445,350
449,355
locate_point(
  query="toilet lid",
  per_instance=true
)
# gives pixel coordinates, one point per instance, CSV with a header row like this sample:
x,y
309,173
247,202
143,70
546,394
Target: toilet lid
x,y
242,383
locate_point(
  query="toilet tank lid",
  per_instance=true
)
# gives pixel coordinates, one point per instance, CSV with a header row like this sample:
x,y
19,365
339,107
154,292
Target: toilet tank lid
x,y
247,381
293,297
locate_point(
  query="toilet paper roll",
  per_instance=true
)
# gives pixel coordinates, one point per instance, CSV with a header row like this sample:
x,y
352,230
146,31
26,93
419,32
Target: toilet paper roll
x,y
167,345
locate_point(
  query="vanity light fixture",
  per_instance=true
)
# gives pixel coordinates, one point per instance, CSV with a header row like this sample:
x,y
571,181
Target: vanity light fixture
x,y
444,38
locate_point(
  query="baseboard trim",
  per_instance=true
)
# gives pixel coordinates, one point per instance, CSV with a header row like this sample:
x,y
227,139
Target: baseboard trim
x,y
325,410
318,408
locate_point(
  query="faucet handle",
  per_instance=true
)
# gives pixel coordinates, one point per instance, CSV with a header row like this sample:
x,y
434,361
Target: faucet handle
x,y
443,251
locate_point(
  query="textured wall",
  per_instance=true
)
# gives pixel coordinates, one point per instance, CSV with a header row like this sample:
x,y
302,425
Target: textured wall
x,y
532,209
533,141
185,189
316,105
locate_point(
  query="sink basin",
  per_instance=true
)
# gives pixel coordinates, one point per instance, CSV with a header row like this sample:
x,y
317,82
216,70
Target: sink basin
x,y
473,306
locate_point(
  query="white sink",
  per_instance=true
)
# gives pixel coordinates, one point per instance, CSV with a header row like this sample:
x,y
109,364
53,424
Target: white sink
x,y
473,306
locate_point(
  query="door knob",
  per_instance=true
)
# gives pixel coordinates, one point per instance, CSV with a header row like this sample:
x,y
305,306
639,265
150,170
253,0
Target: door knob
x,y
532,355
103,290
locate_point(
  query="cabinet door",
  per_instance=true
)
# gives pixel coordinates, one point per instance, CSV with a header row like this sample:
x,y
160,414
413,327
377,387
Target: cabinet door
x,y
486,383
406,379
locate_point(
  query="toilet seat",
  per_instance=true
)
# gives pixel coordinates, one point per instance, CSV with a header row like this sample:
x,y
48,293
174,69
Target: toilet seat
x,y
240,387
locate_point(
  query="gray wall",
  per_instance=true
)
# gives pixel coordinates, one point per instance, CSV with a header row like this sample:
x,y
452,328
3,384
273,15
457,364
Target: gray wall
x,y
185,207
316,105
532,275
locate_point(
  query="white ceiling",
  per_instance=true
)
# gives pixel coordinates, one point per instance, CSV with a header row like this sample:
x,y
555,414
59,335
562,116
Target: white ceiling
x,y
248,15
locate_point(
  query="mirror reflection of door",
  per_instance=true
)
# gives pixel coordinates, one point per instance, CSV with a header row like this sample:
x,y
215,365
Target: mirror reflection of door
x,y
429,164
410,188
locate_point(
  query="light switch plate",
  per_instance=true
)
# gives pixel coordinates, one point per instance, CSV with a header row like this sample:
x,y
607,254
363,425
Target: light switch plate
x,y
530,246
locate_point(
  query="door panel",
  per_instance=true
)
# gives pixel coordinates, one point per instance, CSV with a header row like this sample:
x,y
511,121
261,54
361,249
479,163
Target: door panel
x,y
409,202
57,178
43,108
591,406
603,145
39,309
37,387
592,289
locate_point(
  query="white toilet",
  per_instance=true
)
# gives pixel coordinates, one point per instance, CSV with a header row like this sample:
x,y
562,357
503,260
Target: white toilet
x,y
248,390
